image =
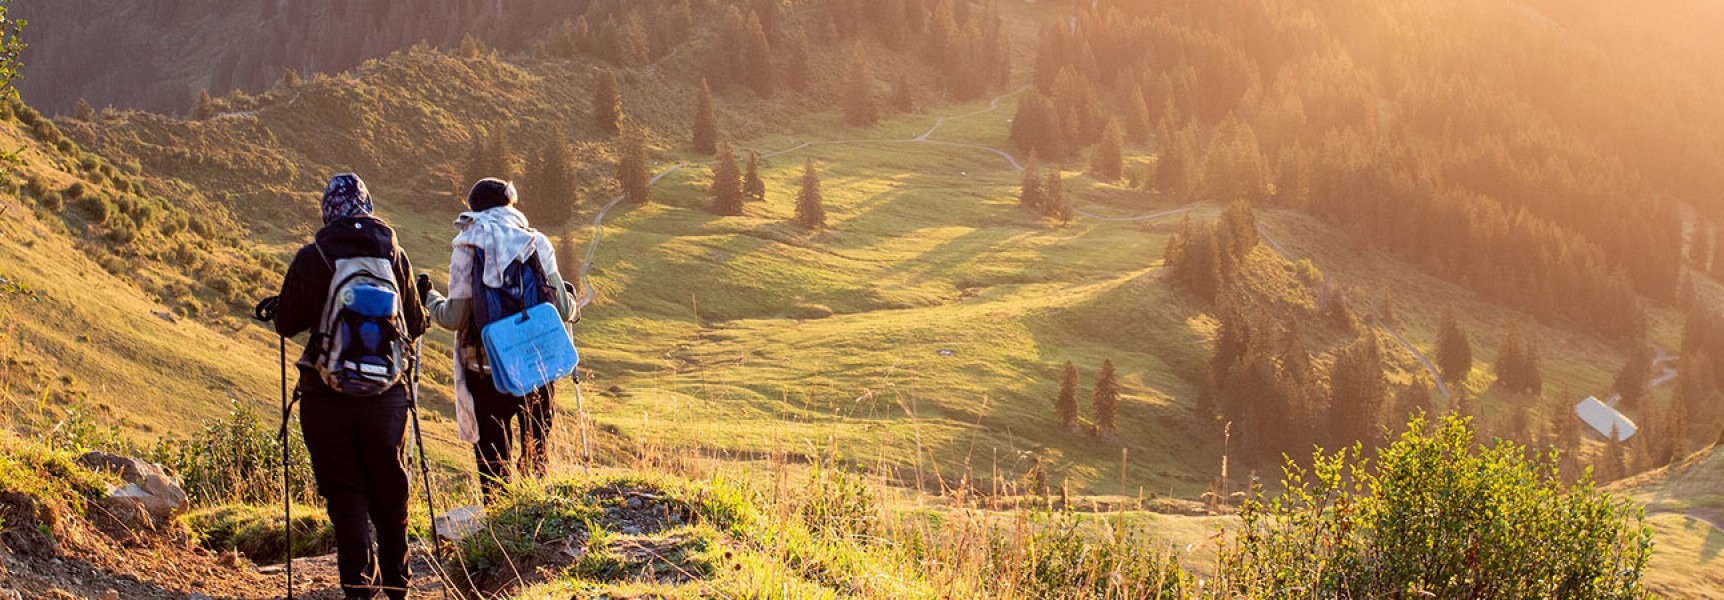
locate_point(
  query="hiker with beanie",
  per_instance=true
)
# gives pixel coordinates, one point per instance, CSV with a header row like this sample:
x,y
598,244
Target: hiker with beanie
x,y
495,253
350,288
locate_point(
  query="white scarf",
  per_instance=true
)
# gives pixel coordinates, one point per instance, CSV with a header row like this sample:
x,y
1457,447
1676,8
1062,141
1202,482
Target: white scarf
x,y
504,235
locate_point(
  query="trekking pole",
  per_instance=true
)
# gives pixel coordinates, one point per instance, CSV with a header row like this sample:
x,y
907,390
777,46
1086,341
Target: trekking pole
x,y
419,440
581,417
265,313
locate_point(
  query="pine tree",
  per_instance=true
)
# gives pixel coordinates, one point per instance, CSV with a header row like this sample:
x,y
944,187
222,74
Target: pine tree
x,y
1532,377
1066,405
810,212
1108,162
705,122
1137,119
607,103
757,53
727,195
1631,380
1030,193
84,112
1454,352
1056,203
796,73
903,98
490,157
753,187
550,197
1511,361
632,173
205,107
1105,400
1357,392
859,107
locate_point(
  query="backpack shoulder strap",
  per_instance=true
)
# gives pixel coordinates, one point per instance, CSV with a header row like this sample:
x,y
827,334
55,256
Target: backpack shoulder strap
x,y
325,257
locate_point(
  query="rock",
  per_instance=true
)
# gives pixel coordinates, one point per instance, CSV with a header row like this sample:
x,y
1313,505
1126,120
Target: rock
x,y
457,524
634,502
168,498
129,469
126,507
8,594
110,594
631,530
148,485
271,570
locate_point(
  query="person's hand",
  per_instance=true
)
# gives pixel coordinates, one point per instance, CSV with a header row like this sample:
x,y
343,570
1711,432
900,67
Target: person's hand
x,y
424,286
265,310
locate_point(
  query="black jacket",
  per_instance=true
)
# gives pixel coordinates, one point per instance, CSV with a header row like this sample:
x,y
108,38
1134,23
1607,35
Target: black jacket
x,y
307,283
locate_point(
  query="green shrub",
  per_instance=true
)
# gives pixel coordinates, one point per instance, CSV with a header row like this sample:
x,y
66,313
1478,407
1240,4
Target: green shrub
x,y
52,202
1433,516
91,164
124,233
97,208
238,459
37,186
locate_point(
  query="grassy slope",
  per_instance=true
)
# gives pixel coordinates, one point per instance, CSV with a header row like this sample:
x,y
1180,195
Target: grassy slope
x,y
1685,508
87,331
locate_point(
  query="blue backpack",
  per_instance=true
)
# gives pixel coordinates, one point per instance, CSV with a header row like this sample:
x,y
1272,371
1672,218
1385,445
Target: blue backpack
x,y
524,340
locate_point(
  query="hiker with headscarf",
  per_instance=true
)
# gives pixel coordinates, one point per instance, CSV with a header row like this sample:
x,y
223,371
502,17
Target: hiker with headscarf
x,y
494,244
351,289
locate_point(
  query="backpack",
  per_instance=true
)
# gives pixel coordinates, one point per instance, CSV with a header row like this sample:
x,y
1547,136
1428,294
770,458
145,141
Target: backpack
x,y
524,343
362,337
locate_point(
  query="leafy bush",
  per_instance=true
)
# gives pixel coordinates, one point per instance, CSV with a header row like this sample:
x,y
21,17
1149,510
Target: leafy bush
x,y
37,186
76,190
238,459
52,202
97,208
1432,516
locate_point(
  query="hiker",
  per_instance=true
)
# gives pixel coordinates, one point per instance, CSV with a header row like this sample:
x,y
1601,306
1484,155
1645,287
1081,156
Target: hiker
x,y
494,242
351,375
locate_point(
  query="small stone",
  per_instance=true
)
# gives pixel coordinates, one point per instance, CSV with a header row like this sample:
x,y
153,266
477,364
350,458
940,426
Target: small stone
x,y
110,594
631,530
634,502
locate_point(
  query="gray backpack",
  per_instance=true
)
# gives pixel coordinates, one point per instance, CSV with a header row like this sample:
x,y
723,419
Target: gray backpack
x,y
362,337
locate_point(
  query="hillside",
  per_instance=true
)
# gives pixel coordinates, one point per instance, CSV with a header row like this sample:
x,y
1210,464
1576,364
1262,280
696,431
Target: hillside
x,y
918,339
723,319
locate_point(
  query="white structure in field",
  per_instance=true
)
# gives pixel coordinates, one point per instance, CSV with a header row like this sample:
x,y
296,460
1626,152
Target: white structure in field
x,y
1603,419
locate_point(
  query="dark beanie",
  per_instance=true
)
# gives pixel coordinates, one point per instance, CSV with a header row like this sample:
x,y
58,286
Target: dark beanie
x,y
490,193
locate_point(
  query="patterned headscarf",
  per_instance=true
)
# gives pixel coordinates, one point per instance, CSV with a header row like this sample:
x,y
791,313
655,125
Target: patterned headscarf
x,y
345,197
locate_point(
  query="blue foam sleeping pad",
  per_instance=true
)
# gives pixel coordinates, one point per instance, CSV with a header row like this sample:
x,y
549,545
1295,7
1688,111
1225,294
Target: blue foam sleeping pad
x,y
529,350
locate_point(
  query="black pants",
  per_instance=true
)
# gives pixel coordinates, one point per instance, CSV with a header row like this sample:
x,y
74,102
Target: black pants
x,y
357,457
494,410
